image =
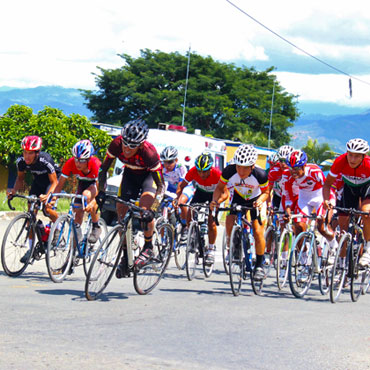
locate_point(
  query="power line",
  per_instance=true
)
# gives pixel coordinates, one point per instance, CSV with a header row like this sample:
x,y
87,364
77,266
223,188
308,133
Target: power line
x,y
295,46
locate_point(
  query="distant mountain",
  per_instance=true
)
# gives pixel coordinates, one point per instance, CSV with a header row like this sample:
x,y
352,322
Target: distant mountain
x,y
68,100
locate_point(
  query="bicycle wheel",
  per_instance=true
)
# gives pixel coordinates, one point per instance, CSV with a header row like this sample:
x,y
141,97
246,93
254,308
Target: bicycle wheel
x,y
225,253
325,274
104,263
147,277
207,268
301,265
271,247
90,249
236,260
15,249
358,275
282,264
192,251
179,249
338,274
60,249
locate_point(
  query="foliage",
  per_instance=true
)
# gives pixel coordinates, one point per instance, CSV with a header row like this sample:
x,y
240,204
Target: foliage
x,y
222,99
317,153
58,131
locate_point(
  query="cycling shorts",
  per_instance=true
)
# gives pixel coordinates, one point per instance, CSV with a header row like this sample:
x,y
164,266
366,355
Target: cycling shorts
x,y
133,184
82,186
308,202
352,194
237,199
201,197
38,188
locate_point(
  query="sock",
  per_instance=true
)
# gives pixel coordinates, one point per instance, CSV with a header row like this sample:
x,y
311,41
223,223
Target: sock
x,y
95,225
333,244
212,247
259,260
148,242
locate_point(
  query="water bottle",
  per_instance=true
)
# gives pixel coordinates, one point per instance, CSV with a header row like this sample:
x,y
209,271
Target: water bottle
x,y
41,227
204,228
45,236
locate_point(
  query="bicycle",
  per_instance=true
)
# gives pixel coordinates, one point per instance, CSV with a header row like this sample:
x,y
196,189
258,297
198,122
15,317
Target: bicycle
x,y
242,255
351,245
305,261
197,243
170,215
63,253
119,241
19,247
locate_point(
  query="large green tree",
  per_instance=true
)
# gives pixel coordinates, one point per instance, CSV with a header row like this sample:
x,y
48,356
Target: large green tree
x,y
58,132
222,99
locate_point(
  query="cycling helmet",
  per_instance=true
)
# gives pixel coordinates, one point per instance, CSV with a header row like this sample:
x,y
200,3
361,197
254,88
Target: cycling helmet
x,y
358,146
273,158
83,149
298,158
134,133
245,155
204,162
32,143
169,153
284,151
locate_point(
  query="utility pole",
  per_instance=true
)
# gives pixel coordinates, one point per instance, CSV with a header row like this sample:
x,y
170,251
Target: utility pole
x,y
186,88
272,107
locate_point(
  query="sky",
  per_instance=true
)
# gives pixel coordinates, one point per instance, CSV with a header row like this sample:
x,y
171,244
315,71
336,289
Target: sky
x,y
48,42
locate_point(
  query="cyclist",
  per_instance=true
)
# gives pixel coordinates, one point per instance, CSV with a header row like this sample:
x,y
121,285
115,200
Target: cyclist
x,y
142,173
44,171
310,180
173,174
205,178
250,188
86,168
354,167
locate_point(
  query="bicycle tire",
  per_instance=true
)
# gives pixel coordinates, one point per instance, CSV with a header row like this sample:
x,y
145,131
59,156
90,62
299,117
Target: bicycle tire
x,y
90,249
338,273
15,245
60,252
207,268
104,263
358,275
192,251
325,273
236,260
270,235
179,251
225,253
282,266
301,268
147,277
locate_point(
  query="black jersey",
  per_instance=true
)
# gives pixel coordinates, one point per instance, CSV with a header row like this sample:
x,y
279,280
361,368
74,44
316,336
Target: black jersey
x,y
41,169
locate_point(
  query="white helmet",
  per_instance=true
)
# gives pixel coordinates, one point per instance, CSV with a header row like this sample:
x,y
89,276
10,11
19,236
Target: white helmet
x,y
358,146
245,155
169,153
284,151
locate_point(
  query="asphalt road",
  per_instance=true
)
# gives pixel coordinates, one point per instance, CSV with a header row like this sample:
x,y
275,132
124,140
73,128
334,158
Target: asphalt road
x,y
180,325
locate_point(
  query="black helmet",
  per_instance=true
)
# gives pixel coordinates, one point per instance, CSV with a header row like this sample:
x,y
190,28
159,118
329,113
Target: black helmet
x,y
134,133
204,162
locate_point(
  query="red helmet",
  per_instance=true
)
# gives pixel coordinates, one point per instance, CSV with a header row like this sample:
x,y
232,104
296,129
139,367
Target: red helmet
x,y
32,143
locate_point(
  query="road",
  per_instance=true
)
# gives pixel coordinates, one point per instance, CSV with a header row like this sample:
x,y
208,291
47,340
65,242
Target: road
x,y
180,325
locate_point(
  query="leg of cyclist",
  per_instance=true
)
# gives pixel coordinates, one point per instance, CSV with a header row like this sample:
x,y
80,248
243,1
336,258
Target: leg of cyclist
x,y
365,207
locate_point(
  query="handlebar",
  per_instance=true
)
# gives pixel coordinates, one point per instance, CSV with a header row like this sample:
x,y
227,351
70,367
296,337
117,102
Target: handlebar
x,y
237,208
73,197
30,199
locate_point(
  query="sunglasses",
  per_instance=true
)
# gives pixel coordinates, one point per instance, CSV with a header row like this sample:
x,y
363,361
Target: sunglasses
x,y
131,146
295,169
168,162
282,160
81,160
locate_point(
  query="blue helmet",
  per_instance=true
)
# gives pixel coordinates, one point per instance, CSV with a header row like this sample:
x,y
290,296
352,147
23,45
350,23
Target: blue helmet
x,y
297,158
83,149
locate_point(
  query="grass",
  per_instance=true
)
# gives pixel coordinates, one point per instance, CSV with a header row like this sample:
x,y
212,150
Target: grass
x,y
21,204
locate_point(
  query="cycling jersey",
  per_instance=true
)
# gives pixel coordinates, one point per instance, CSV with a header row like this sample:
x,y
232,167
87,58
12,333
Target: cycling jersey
x,y
248,188
172,178
40,170
351,176
209,184
70,168
275,176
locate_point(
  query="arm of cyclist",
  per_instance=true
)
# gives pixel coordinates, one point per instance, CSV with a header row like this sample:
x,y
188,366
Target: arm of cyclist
x,y
58,188
326,191
19,182
53,184
262,198
159,182
102,178
219,195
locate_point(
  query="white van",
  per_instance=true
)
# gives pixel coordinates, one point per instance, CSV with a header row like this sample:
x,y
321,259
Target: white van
x,y
189,147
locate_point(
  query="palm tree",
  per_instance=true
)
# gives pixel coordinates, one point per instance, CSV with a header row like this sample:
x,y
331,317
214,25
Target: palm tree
x,y
317,153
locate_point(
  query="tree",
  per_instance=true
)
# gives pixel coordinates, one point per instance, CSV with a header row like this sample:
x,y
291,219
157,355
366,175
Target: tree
x,y
58,131
317,153
222,99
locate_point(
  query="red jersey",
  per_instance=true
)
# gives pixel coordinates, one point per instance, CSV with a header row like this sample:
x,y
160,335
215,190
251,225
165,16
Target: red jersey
x,y
70,168
351,176
275,178
146,158
209,184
